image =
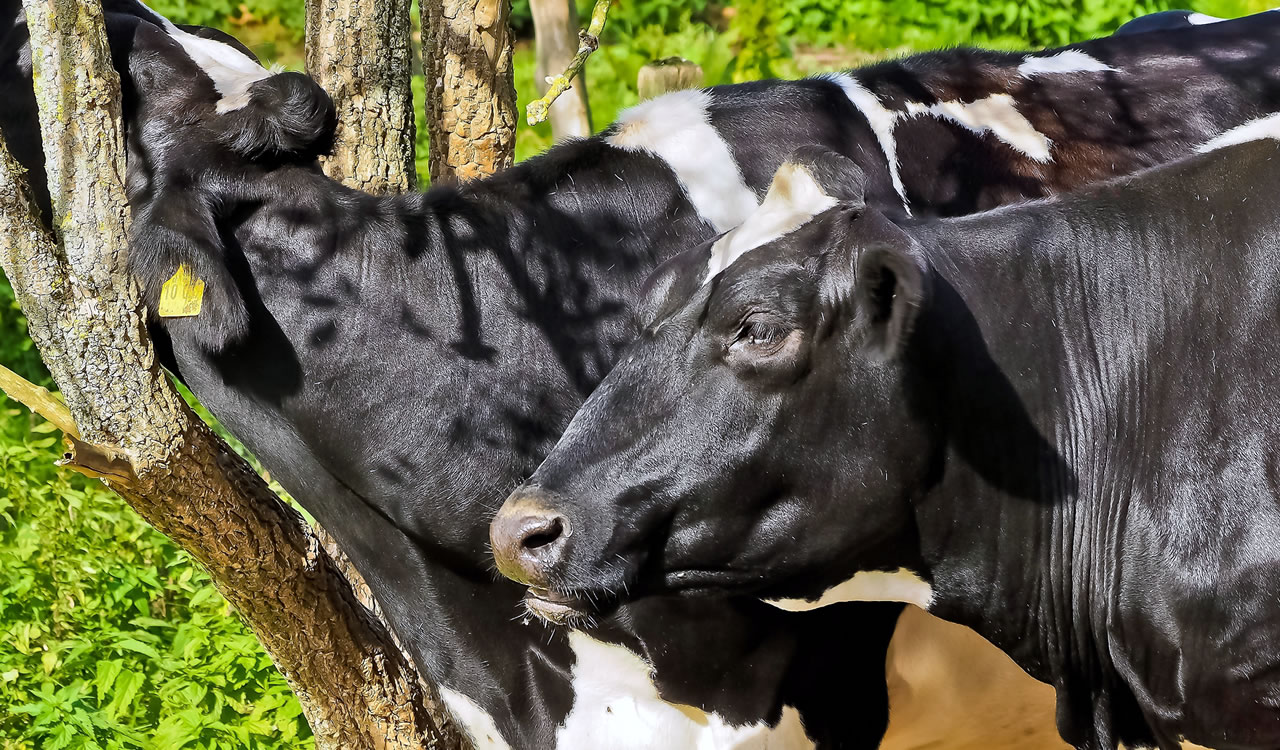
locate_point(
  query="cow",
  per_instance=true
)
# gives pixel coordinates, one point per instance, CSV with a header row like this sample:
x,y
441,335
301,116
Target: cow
x,y
400,362
1165,20
1057,423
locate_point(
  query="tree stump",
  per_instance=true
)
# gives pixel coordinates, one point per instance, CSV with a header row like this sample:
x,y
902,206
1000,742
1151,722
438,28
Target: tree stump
x,y
669,74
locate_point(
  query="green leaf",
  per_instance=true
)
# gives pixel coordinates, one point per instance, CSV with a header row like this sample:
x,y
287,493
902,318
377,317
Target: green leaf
x,y
105,677
131,644
123,692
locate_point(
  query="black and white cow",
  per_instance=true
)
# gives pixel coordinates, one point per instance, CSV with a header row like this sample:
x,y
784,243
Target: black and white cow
x,y
1057,423
400,362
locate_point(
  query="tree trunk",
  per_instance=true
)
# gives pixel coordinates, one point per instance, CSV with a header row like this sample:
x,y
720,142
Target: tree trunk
x,y
133,430
555,29
471,96
358,50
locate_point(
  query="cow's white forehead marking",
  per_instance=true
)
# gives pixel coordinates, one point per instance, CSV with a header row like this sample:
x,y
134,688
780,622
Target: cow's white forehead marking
x,y
1067,61
882,121
232,71
475,722
868,586
1200,19
1254,130
677,128
616,705
997,114
793,199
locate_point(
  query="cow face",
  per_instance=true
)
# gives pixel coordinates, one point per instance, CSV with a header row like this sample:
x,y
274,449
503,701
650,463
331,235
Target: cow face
x,y
703,461
202,98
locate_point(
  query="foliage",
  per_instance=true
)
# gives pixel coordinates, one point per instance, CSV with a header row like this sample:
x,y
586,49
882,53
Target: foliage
x,y
114,638
236,15
625,15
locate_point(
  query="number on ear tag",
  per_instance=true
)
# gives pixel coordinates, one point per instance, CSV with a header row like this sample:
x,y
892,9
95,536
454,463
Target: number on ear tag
x,y
181,295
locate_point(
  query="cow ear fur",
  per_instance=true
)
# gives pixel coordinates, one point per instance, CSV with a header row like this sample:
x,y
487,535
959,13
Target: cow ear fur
x,y
288,117
674,281
837,175
889,291
179,230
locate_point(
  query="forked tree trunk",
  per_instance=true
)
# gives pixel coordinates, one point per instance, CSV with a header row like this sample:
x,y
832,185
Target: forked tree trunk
x,y
555,29
133,430
358,50
471,96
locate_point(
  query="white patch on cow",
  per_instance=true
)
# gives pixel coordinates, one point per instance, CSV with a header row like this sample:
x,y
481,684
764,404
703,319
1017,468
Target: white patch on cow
x,y
793,199
232,71
882,121
1201,19
996,114
1254,130
477,723
1067,61
868,586
677,128
616,705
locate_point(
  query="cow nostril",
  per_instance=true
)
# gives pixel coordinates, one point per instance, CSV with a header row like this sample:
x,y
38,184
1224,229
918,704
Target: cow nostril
x,y
547,532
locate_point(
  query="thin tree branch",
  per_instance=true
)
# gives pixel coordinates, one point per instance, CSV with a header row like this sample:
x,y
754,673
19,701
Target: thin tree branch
x,y
38,399
588,42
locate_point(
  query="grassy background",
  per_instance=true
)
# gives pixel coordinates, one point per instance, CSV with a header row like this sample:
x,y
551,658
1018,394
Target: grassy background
x,y
110,637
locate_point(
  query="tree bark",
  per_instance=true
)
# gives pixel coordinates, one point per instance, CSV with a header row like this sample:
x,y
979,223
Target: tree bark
x,y
358,50
471,96
555,30
86,316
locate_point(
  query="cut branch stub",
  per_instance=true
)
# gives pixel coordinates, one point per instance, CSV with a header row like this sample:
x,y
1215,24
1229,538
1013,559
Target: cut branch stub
x,y
669,74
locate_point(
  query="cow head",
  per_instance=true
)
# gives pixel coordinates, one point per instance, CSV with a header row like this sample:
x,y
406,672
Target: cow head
x,y
187,90
198,87
727,450
204,120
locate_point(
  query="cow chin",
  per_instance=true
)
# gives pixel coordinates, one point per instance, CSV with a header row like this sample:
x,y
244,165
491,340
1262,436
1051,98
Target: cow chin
x,y
569,608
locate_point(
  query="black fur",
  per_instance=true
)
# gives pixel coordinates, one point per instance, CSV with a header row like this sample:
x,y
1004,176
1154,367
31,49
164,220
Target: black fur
x,y
288,117
1074,446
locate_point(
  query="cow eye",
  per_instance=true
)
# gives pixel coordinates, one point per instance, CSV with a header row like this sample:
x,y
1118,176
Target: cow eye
x,y
759,336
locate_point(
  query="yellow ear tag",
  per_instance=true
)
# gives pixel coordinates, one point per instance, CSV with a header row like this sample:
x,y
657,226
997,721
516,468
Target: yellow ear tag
x,y
181,295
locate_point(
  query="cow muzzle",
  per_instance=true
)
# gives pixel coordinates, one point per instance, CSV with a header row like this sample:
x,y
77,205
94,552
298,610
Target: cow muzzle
x,y
530,542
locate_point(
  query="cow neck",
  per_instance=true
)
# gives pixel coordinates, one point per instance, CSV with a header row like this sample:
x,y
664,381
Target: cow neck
x,y
1028,341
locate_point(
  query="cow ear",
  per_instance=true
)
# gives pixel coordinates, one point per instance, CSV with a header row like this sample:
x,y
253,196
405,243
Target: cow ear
x,y
175,231
674,281
889,291
837,175
288,117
